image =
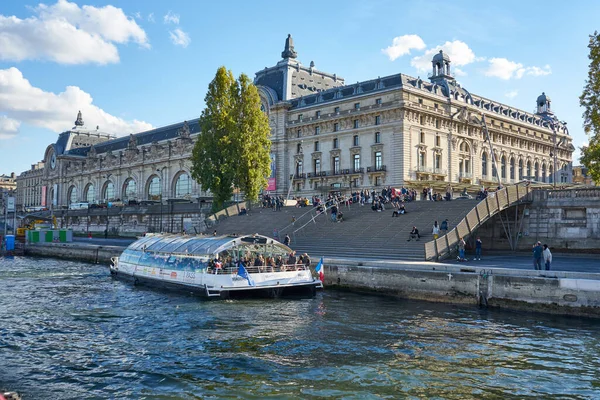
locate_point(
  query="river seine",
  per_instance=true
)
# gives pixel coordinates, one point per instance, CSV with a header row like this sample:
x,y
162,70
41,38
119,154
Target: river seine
x,y
69,331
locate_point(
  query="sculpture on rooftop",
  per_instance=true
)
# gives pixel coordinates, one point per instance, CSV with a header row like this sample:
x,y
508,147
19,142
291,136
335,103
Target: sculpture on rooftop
x,y
79,120
288,51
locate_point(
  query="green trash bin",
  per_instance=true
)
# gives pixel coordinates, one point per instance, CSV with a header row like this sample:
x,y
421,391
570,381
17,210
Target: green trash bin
x,y
49,237
34,236
62,235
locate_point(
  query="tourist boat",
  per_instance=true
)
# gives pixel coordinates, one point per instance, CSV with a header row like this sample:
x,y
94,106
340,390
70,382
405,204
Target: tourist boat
x,y
214,266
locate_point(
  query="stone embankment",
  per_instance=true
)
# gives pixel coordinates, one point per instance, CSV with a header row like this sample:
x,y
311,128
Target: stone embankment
x,y
558,292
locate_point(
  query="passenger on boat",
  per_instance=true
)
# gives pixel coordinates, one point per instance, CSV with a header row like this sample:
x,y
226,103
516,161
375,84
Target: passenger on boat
x,y
292,259
279,263
306,260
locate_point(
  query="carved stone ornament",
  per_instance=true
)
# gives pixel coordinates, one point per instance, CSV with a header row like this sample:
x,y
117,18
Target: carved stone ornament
x,y
354,150
299,157
422,147
92,153
335,152
132,145
475,146
454,142
184,131
377,147
316,155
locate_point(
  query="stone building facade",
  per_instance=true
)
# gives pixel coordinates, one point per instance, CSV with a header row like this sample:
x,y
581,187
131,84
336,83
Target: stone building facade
x,y
400,130
326,135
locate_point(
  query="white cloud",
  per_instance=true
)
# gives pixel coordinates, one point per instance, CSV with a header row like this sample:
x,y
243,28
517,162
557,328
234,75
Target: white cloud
x,y
137,15
151,17
21,102
8,127
179,38
402,45
171,18
459,52
69,34
459,72
512,94
505,69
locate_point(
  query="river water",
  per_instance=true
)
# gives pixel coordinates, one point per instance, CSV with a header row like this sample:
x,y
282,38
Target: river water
x,y
69,331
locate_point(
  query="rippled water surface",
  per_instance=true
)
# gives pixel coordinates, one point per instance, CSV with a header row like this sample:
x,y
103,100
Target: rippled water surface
x,y
68,331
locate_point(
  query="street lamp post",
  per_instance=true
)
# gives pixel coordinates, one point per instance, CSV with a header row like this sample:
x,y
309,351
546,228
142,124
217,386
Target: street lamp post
x,y
161,197
553,121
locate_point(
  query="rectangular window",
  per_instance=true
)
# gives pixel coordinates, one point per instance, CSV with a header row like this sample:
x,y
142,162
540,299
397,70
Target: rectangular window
x,y
299,133
317,130
356,162
299,117
355,124
318,114
435,106
299,169
377,119
336,165
437,141
317,147
357,106
317,166
336,110
422,120
378,101
355,140
438,161
421,158
422,137
420,101
377,137
378,160
377,181
437,123
335,143
336,127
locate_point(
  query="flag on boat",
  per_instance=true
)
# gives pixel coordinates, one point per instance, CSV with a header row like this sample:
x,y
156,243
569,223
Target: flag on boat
x,y
243,272
319,270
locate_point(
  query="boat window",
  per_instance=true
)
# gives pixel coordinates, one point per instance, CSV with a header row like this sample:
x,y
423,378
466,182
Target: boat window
x,y
143,242
161,244
171,247
183,246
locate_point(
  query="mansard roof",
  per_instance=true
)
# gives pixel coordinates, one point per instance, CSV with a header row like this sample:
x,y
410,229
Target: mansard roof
x,y
446,88
143,138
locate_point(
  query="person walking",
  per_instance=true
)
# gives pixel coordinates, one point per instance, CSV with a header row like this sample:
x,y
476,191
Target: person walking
x,y
537,256
461,249
435,230
444,226
547,257
287,240
478,249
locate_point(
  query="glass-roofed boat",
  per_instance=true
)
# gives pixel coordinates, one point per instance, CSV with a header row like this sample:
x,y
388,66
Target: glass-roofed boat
x,y
216,266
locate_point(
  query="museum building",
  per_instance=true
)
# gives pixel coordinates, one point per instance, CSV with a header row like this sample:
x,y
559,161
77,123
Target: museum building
x,y
326,136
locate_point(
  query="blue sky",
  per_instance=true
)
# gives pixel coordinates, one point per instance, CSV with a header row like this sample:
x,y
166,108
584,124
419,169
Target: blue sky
x,y
131,65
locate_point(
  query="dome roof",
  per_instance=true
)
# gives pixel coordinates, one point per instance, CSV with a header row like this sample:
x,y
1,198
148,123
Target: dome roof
x,y
441,56
542,99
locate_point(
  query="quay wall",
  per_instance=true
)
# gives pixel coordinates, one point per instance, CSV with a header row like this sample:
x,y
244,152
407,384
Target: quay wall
x,y
74,251
557,292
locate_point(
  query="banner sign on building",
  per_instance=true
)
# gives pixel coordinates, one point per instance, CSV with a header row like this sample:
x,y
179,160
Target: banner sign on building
x,y
10,204
43,199
272,182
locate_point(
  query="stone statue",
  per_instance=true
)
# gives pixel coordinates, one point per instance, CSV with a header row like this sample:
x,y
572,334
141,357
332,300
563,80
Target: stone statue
x,y
79,120
184,131
288,51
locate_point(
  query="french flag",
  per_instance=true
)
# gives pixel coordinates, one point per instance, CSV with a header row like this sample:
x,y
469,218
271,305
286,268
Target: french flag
x,y
319,270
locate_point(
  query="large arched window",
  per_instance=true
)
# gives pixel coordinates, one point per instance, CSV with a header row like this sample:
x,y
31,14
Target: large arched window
x,y
484,168
73,195
520,170
90,193
183,186
108,193
154,189
129,190
537,171
528,169
543,172
503,167
512,168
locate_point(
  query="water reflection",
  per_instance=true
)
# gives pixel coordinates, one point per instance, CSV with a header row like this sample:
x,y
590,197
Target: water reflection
x,y
69,330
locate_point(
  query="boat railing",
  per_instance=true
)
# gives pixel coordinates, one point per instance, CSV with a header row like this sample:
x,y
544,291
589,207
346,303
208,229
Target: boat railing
x,y
259,269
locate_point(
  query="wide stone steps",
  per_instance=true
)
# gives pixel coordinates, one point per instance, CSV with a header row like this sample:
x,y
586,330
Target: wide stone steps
x,y
363,233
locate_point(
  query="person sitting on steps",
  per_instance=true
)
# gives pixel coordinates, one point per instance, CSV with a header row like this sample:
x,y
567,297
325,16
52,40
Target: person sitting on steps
x,y
414,234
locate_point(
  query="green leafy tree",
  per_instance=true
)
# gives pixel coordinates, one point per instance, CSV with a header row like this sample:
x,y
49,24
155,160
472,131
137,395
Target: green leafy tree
x,y
590,101
253,143
233,147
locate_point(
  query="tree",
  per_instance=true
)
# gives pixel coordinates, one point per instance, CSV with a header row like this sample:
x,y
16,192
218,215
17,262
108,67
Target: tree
x,y
233,147
590,101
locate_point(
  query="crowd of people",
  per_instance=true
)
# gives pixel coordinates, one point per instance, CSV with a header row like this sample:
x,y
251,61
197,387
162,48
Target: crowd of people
x,y
274,202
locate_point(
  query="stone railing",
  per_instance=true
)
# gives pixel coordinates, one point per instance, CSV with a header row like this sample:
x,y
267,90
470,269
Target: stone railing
x,y
226,212
443,246
567,194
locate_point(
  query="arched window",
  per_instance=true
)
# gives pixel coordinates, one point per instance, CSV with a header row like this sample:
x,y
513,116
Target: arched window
x,y
512,168
484,168
108,193
90,193
537,171
73,195
543,172
528,169
154,188
183,186
520,170
129,190
550,174
503,167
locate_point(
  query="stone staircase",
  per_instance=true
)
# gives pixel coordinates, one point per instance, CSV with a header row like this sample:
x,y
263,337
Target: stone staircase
x,y
363,233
